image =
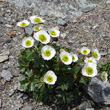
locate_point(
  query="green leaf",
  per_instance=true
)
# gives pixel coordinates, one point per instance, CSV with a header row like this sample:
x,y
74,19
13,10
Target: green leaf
x,y
35,95
29,73
75,70
57,48
36,44
22,69
39,85
79,61
24,86
64,100
32,87
64,87
84,81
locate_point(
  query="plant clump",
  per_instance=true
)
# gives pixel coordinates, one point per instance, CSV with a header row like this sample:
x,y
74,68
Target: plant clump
x,y
52,73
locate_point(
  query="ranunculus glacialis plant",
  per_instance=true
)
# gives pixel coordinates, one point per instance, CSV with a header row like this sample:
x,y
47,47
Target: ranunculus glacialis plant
x,y
50,72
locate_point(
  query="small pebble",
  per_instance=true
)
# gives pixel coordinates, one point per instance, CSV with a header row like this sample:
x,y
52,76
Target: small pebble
x,y
61,22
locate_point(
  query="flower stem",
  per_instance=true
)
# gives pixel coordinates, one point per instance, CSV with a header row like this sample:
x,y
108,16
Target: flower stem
x,y
25,32
32,34
34,50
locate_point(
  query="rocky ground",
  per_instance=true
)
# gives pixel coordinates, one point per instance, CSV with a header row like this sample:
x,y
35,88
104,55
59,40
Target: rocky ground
x,y
77,29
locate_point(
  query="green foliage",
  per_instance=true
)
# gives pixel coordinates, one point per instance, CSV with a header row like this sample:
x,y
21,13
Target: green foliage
x,y
33,68
104,67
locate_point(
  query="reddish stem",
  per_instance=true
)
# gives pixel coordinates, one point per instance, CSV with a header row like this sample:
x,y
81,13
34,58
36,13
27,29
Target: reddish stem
x,y
25,31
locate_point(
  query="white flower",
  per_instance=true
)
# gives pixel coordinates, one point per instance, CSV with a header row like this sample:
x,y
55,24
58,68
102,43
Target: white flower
x,y
90,60
104,76
85,50
42,36
27,42
35,19
74,57
23,23
48,52
96,54
89,70
36,28
66,57
54,32
50,77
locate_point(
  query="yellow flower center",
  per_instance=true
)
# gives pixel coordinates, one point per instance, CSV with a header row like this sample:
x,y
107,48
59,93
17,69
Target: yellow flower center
x,y
65,58
42,37
90,61
36,28
28,42
73,58
89,70
94,54
103,76
47,53
53,33
84,52
38,20
23,24
49,78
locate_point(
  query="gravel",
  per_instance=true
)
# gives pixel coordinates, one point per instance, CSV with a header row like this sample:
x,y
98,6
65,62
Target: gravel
x,y
2,21
7,39
6,75
14,72
58,8
0,103
28,108
61,22
3,58
88,29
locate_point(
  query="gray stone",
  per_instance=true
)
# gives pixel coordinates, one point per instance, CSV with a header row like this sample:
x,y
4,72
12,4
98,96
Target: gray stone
x,y
42,13
18,87
108,2
89,109
18,106
95,26
84,105
6,75
0,103
6,52
15,87
25,96
5,66
11,92
99,91
9,26
3,58
7,39
85,5
27,107
2,87
87,9
61,22
2,21
103,53
104,34
14,72
20,96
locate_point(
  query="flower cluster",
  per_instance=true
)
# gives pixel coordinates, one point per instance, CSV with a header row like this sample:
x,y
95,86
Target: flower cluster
x,y
50,61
